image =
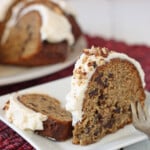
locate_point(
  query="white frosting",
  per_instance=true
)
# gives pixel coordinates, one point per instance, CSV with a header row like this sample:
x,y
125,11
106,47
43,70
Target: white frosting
x,y
23,117
55,27
11,22
5,5
82,74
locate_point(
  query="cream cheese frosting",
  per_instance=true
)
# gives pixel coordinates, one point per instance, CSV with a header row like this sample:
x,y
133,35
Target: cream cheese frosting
x,y
83,72
23,117
5,5
12,21
55,27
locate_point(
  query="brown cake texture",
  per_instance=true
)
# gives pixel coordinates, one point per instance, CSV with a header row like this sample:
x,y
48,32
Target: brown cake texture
x,y
108,95
58,126
24,46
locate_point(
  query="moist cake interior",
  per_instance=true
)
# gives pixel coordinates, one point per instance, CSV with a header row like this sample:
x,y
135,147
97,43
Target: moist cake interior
x,y
106,106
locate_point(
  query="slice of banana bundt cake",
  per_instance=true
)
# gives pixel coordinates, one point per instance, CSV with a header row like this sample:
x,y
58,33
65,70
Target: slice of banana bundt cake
x,y
39,113
103,85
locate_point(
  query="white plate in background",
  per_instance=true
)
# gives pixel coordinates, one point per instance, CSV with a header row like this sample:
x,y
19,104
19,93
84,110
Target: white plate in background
x,y
122,138
12,74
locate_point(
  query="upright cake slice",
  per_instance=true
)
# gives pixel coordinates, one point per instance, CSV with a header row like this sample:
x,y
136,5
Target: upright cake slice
x,y
103,85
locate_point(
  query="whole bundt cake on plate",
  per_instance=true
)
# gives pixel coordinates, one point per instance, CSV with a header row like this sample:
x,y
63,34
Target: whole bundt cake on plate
x,y
36,32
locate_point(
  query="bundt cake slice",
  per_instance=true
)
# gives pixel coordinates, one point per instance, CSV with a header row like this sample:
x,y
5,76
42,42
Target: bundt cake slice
x,y
103,85
39,113
37,32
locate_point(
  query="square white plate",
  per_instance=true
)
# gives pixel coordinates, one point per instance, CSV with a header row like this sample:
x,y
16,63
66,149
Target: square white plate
x,y
58,89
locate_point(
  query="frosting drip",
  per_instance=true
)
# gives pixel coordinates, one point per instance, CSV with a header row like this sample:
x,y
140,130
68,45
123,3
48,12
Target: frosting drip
x,y
5,5
11,22
55,27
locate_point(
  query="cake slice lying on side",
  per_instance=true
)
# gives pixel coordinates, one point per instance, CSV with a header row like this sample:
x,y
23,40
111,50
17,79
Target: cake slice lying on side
x,y
40,113
103,85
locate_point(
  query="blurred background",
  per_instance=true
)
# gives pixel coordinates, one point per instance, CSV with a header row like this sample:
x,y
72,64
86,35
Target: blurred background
x,y
125,20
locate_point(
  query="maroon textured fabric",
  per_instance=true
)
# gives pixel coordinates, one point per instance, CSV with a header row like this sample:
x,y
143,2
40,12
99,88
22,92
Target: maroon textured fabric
x,y
9,140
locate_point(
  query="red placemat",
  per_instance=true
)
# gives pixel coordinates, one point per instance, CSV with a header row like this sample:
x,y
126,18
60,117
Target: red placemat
x,y
9,140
